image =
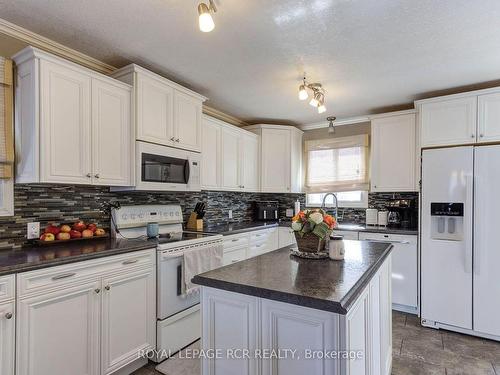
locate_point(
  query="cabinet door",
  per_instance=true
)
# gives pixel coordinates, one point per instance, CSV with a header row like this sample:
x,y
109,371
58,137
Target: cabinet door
x,y
65,147
275,162
211,155
58,333
358,337
155,115
111,134
489,117
449,122
129,318
249,162
187,122
234,255
230,176
7,338
393,154
285,326
385,304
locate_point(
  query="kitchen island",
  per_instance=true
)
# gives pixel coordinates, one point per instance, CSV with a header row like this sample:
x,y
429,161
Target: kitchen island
x,y
278,314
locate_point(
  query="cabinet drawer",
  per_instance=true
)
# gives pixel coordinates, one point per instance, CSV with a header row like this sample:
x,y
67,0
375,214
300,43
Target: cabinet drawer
x,y
60,276
388,237
236,240
7,287
261,235
234,256
257,249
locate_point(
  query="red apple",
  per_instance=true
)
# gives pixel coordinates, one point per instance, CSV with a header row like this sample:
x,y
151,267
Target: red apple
x,y
99,232
87,233
75,234
92,227
63,236
79,226
65,228
54,229
47,237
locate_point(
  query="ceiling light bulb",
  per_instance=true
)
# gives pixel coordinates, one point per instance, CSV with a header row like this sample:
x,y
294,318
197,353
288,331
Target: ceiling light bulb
x,y
315,100
321,108
205,20
331,128
303,95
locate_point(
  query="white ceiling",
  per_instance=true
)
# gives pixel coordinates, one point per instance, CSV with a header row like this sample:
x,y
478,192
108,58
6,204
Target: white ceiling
x,y
369,54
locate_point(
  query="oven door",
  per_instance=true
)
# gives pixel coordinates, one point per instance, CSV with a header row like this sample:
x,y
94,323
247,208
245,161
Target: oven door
x,y
170,297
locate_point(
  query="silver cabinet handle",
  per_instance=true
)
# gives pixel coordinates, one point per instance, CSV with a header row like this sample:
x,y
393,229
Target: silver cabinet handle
x,y
8,315
389,241
107,287
236,239
63,276
172,139
97,290
89,175
132,261
177,139
235,260
96,175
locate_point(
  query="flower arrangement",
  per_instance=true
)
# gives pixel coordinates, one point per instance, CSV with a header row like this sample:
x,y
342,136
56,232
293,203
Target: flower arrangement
x,y
316,222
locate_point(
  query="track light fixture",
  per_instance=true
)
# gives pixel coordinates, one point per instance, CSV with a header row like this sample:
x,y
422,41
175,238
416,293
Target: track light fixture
x,y
205,20
317,92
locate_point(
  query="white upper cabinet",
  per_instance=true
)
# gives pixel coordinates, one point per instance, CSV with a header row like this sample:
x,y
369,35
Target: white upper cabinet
x,y
448,122
280,158
211,154
488,117
472,117
393,153
166,113
72,124
65,148
230,157
249,166
155,115
111,134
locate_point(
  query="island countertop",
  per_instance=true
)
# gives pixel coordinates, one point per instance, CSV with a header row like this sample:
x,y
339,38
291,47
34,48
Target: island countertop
x,y
320,284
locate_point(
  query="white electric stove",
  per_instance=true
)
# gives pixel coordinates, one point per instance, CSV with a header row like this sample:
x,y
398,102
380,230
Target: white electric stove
x,y
178,315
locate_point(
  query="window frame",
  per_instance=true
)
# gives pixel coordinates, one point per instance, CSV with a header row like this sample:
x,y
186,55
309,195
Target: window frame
x,y
362,204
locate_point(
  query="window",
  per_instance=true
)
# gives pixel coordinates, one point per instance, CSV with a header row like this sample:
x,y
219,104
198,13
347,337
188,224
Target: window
x,y
337,165
6,139
347,199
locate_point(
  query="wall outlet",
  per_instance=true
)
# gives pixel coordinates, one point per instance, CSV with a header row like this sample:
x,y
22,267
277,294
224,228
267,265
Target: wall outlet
x,y
230,213
289,212
33,230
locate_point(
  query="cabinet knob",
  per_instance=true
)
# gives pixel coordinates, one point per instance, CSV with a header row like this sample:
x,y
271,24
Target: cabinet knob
x,y
89,175
96,175
8,315
107,287
481,135
97,290
473,136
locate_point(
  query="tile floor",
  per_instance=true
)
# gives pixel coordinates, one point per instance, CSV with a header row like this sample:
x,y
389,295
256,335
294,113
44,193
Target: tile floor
x,y
424,351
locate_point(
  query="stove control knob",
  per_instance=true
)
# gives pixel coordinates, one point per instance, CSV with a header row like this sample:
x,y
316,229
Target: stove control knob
x,y
141,216
132,216
124,217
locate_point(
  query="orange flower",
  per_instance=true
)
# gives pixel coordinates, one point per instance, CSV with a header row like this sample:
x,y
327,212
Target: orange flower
x,y
329,220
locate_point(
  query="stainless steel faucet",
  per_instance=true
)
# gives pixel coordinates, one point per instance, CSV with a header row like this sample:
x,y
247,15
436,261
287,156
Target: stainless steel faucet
x,y
323,205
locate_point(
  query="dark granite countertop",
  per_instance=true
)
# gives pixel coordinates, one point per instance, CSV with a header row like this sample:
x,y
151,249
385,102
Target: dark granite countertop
x,y
234,228
29,258
320,284
376,229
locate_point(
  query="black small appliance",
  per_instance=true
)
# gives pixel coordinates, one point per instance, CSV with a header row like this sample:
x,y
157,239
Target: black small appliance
x,y
266,211
403,213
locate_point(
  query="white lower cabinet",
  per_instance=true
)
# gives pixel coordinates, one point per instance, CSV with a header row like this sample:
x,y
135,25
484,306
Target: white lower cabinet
x,y
129,318
7,337
87,318
236,321
286,237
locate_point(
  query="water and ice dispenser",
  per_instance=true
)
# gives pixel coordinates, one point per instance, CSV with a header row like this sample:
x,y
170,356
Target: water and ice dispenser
x,y
447,221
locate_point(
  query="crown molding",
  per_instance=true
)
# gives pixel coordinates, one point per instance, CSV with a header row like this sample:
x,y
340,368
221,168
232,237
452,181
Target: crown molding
x,y
51,46
338,122
223,116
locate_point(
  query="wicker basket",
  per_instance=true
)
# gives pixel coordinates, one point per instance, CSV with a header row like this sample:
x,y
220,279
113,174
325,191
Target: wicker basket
x,y
309,243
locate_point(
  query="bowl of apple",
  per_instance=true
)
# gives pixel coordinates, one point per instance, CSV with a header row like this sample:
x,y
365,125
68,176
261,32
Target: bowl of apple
x,y
77,231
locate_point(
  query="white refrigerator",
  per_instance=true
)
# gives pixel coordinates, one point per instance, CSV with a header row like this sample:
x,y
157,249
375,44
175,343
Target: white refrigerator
x,y
460,247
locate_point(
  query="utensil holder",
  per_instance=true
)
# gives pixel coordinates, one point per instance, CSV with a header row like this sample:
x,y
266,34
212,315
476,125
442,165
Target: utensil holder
x,y
194,223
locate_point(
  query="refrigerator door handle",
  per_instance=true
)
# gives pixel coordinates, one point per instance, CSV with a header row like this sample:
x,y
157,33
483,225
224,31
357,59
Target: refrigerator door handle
x,y
469,191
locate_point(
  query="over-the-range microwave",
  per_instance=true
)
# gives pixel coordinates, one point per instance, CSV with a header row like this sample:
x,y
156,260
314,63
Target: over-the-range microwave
x,y
163,168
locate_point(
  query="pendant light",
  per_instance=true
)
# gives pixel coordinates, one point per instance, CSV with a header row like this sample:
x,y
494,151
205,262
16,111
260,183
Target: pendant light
x,y
318,94
205,19
331,128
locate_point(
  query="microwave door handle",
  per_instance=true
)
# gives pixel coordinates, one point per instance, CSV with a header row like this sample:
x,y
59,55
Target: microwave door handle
x,y
187,171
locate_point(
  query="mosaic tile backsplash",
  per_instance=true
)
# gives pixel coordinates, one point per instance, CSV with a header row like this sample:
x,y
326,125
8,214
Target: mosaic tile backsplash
x,y
61,203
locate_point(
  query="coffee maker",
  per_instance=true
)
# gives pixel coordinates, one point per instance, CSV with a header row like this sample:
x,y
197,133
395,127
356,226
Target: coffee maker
x,y
266,211
403,213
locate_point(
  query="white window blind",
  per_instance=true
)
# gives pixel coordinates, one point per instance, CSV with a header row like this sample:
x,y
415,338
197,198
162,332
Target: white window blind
x,y
6,132
337,164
